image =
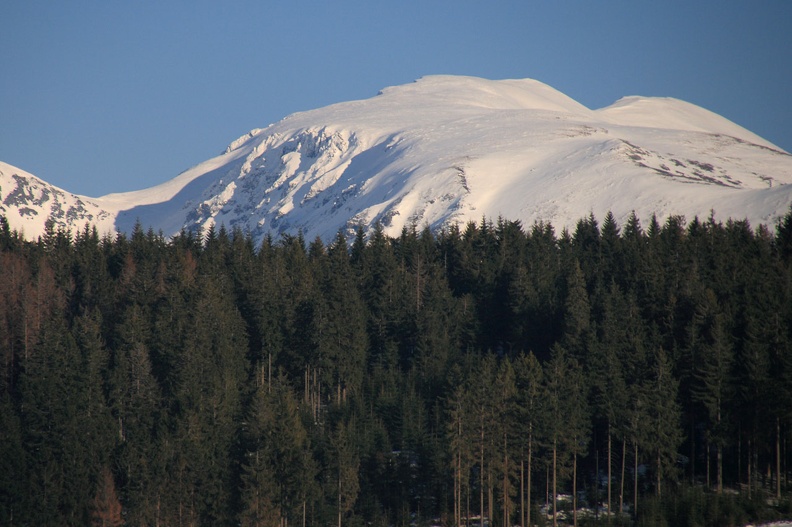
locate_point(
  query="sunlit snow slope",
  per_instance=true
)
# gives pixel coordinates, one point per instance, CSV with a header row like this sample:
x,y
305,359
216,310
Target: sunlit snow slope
x,y
27,203
455,149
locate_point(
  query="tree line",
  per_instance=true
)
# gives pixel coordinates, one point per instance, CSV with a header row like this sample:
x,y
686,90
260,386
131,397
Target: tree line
x,y
473,373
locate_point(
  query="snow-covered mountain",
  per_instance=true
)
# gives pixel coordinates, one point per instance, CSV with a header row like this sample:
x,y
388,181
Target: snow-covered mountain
x,y
449,149
27,203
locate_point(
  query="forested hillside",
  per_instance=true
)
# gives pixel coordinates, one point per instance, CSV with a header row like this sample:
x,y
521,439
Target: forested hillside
x,y
202,380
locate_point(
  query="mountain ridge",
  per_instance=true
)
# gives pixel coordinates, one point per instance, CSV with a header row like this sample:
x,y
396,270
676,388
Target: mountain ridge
x,y
447,149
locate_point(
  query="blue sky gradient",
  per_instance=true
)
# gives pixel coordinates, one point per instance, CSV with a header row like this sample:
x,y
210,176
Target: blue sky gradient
x,y
109,96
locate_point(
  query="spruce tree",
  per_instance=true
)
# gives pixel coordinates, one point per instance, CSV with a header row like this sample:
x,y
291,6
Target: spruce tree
x,y
713,385
566,425
607,375
663,432
343,476
577,313
530,415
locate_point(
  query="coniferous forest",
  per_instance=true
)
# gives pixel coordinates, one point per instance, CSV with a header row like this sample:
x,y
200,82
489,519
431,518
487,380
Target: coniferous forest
x,y
491,373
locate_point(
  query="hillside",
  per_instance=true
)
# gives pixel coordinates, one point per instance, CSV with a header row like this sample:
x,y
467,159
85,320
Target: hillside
x,y
450,149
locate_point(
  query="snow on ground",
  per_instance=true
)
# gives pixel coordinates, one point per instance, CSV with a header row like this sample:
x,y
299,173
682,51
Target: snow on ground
x,y
674,114
456,149
27,202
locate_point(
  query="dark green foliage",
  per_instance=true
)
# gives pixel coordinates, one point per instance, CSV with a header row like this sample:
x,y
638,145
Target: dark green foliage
x,y
206,381
695,507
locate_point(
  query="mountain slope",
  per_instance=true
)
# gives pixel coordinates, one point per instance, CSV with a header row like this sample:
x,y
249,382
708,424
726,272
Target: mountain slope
x,y
27,203
454,149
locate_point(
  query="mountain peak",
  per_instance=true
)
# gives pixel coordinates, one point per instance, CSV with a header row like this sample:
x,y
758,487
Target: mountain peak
x,y
670,113
27,203
507,94
448,149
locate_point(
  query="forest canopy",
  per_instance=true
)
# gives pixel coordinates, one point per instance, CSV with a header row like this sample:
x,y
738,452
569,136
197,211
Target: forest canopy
x,y
477,371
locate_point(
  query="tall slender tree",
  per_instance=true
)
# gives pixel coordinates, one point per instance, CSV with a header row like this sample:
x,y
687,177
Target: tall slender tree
x,y
713,379
663,432
530,414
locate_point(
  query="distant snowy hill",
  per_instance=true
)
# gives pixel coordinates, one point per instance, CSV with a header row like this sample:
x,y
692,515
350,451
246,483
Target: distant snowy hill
x,y
27,203
449,149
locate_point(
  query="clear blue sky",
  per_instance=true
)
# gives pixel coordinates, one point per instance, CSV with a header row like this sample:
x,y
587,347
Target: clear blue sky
x,y
107,96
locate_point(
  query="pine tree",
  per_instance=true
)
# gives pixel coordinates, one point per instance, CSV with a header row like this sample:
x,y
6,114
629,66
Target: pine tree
x,y
480,379
529,408
376,268
752,371
505,393
277,469
577,424
210,378
664,434
13,464
636,434
136,406
53,401
18,315
586,242
566,422
713,378
577,313
612,254
342,339
345,470
606,373
437,327
457,432
783,238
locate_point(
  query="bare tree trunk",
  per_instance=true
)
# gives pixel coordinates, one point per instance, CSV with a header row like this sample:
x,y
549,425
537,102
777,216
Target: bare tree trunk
x,y
574,488
635,484
522,493
739,457
720,468
610,479
750,465
460,487
481,479
778,458
624,462
692,451
659,475
719,454
707,457
467,503
490,495
528,497
506,508
456,492
784,457
339,497
596,482
555,487
458,475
